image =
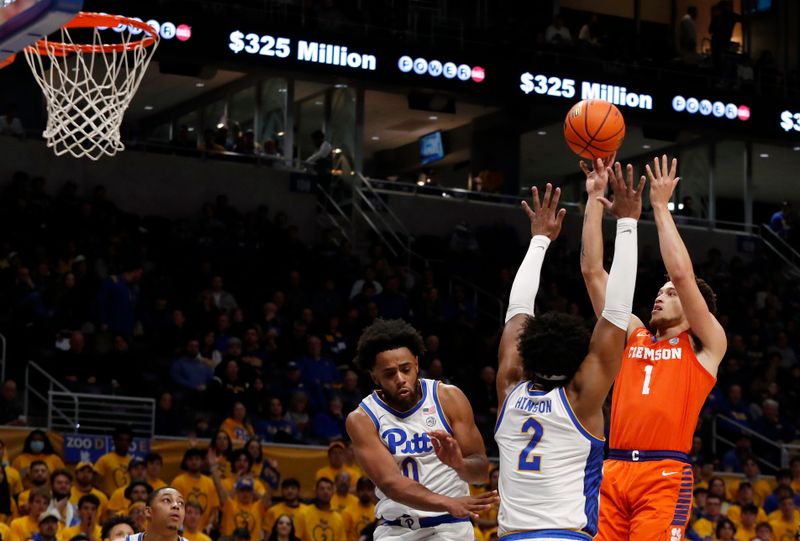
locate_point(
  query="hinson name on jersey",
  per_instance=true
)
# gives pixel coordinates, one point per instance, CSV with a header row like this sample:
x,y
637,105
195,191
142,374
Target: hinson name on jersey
x,y
405,435
550,466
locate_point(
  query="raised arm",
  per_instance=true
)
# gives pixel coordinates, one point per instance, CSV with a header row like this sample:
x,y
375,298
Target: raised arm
x,y
222,494
594,275
545,226
463,450
588,389
679,266
380,467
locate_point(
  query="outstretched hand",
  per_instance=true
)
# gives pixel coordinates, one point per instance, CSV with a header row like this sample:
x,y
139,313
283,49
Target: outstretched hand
x,y
447,449
545,218
597,177
662,180
472,506
627,200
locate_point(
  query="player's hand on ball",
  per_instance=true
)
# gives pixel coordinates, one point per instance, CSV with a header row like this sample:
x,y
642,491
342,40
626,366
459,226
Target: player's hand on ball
x,y
447,449
597,177
545,217
662,180
627,200
471,506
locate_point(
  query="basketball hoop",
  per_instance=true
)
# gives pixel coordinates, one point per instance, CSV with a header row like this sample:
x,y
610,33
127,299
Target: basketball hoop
x,y
89,85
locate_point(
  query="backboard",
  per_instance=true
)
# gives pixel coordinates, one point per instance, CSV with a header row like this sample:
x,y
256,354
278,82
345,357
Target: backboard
x,y
23,22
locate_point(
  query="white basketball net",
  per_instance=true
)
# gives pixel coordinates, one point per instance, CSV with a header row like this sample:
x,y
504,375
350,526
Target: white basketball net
x,y
87,91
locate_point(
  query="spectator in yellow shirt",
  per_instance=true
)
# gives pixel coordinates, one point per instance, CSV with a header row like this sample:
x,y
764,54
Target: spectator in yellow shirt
x,y
37,446
38,477
698,503
242,466
137,512
794,465
764,532
196,487
785,521
153,464
83,484
49,526
746,529
112,468
726,530
744,496
487,519
284,530
717,486
221,447
712,513
336,456
23,528
783,487
361,513
236,426
137,491
320,521
12,474
241,510
290,506
88,516
256,452
752,474
191,523
120,500
117,527
60,483
342,497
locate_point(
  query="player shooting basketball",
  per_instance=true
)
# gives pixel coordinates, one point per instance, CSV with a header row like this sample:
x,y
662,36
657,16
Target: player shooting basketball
x,y
666,374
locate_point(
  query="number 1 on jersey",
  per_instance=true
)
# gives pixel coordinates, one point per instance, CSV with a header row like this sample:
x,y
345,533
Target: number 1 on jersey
x,y
527,460
648,372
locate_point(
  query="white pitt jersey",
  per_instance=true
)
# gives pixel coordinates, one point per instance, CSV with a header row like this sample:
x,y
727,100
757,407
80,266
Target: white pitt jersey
x,y
405,435
550,466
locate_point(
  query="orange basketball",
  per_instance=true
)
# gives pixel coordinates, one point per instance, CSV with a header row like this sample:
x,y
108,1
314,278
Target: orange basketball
x,y
594,129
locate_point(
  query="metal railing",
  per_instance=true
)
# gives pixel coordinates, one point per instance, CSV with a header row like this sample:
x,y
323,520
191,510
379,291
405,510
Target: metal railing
x,y
780,247
100,414
330,202
783,450
92,413
33,372
484,301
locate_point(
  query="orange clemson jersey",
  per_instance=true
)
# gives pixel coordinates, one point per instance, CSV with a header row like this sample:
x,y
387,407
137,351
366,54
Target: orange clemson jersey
x,y
658,394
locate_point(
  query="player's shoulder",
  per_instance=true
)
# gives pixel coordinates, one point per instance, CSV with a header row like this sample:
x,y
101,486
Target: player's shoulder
x,y
448,391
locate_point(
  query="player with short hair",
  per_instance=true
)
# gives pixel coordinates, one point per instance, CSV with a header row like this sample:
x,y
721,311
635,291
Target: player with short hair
x,y
552,380
665,377
165,510
417,440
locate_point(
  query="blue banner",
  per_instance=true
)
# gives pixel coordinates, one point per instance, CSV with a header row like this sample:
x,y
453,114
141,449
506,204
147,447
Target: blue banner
x,y
89,448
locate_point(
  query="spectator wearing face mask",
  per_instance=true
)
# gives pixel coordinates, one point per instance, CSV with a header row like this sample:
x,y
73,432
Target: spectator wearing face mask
x,y
37,446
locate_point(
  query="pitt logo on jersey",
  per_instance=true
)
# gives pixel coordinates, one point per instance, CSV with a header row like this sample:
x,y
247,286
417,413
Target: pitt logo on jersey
x,y
398,442
650,354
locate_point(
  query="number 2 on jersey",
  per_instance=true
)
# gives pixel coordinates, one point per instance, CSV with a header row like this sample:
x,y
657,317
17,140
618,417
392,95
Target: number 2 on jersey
x,y
527,460
648,372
